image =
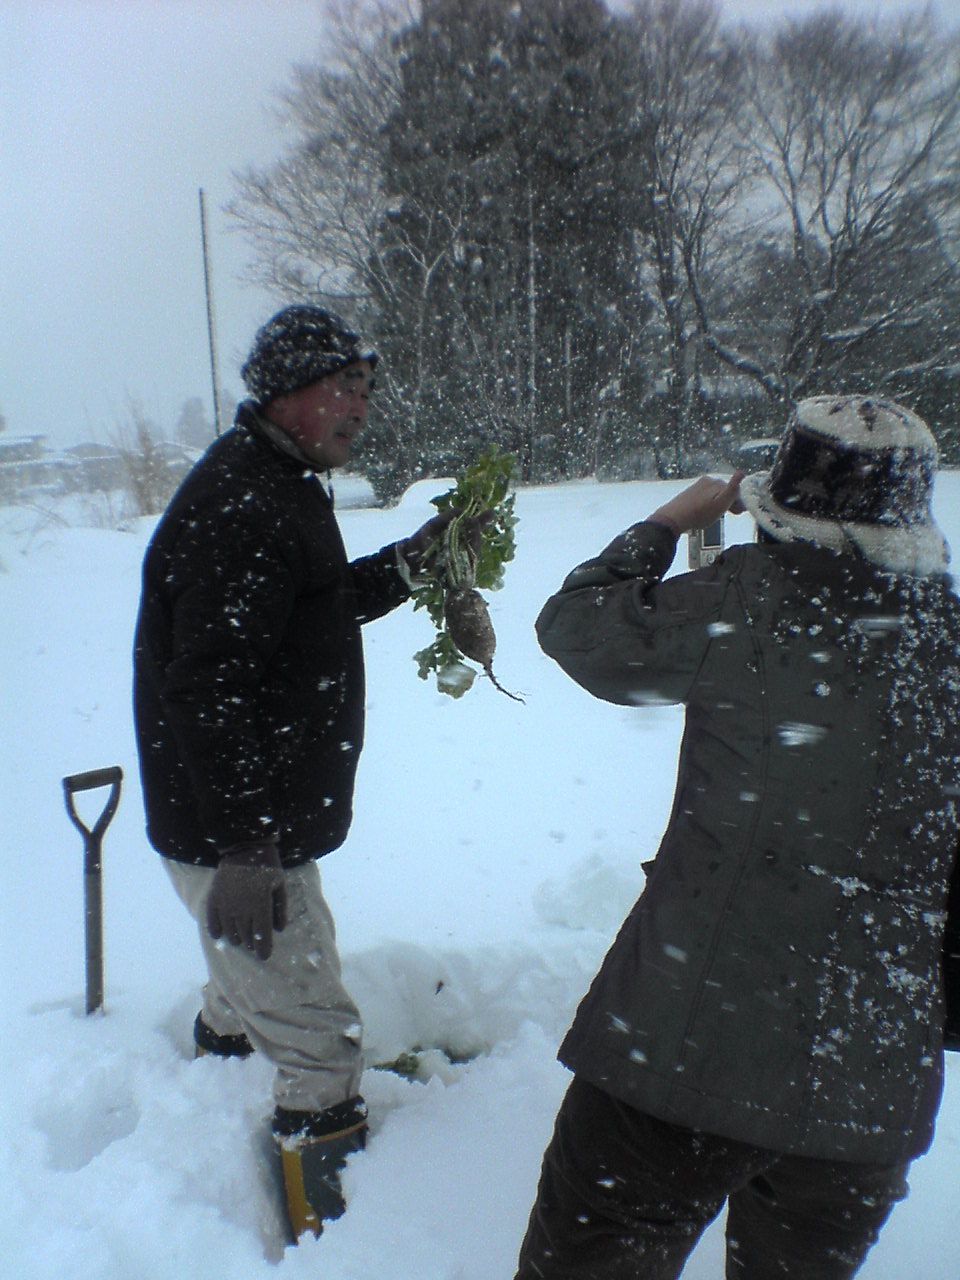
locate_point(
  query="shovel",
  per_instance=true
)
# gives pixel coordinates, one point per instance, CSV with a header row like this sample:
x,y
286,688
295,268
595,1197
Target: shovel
x,y
93,869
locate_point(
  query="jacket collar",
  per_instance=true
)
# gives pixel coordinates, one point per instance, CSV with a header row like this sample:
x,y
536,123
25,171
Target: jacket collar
x,y
849,567
249,418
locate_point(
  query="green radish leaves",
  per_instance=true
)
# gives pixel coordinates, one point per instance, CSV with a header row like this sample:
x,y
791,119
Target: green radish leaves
x,y
483,487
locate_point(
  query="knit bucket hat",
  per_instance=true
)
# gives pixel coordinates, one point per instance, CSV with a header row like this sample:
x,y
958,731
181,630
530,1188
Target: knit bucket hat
x,y
854,473
299,345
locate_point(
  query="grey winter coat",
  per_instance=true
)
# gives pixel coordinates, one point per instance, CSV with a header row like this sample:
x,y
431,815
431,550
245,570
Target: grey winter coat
x,y
778,982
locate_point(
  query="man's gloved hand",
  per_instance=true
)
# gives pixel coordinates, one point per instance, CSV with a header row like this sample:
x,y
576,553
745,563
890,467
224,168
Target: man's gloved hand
x,y
421,549
248,897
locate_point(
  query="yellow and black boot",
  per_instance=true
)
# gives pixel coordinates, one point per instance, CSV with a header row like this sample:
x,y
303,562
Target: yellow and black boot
x,y
205,1041
314,1146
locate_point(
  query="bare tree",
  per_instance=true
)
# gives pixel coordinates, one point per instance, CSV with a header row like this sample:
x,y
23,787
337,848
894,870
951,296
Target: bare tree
x,y
311,218
851,126
314,218
149,480
689,98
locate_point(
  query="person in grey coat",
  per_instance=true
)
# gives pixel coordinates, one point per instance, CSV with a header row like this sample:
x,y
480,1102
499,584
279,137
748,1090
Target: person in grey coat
x,y
767,1028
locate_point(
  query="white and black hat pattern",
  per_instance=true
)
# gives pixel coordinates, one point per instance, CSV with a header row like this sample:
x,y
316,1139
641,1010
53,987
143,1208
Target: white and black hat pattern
x,y
299,345
854,473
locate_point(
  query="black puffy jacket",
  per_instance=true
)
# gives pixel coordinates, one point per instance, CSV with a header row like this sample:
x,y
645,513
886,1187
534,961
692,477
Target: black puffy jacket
x,y
248,661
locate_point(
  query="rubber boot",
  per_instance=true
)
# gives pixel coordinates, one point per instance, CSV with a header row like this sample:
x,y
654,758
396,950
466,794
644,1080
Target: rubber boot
x,y
314,1146
207,1041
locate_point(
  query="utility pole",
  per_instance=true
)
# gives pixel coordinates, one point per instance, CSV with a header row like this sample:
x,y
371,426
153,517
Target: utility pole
x,y
211,326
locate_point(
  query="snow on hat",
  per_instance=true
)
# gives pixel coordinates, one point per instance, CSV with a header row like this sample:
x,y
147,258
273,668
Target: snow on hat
x,y
854,473
299,345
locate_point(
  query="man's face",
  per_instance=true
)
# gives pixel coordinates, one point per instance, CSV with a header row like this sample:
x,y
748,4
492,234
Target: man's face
x,y
324,418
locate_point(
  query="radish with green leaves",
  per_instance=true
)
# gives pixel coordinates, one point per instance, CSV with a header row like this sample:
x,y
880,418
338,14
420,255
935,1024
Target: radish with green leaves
x,y
460,564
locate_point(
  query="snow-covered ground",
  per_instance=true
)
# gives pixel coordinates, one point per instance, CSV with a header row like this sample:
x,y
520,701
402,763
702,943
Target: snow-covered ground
x,y
495,851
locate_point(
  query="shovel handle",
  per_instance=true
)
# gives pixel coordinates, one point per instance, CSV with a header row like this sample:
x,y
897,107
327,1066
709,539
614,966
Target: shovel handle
x,y
93,778
111,777
92,870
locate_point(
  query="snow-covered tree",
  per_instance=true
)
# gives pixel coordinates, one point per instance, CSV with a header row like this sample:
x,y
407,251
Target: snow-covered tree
x,y
466,184
511,174
563,223
851,126
688,81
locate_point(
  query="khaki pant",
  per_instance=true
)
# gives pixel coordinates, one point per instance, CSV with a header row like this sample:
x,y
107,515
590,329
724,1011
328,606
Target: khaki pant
x,y
292,1007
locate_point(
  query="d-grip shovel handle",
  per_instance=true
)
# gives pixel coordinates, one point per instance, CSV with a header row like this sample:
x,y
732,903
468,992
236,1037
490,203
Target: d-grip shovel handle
x,y
93,778
89,781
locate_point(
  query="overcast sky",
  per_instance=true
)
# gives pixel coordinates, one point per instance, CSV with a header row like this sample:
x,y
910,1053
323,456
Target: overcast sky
x,y
113,113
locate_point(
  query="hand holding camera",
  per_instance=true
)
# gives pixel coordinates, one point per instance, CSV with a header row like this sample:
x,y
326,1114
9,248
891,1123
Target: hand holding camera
x,y
701,504
698,511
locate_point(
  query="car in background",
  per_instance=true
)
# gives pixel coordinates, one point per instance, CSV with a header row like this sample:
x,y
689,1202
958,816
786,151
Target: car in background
x,y
756,455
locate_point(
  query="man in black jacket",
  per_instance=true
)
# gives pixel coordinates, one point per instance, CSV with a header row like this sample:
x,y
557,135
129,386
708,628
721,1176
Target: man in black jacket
x,y
249,708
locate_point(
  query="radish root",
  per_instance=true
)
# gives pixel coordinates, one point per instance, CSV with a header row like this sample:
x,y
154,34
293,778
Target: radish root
x,y
468,622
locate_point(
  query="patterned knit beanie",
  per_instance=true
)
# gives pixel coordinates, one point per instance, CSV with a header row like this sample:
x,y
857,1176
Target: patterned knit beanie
x,y
299,345
854,474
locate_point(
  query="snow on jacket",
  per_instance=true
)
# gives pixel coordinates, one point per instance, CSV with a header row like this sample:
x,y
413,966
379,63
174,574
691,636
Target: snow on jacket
x,y
248,663
778,981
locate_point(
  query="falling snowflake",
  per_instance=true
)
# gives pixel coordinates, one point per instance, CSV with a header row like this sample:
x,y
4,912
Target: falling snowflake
x,y
794,733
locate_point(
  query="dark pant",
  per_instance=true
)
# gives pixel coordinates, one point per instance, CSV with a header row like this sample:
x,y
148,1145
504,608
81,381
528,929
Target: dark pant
x,y
623,1195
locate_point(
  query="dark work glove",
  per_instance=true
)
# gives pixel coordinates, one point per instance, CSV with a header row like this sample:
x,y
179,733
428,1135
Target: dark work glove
x,y
248,897
422,549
